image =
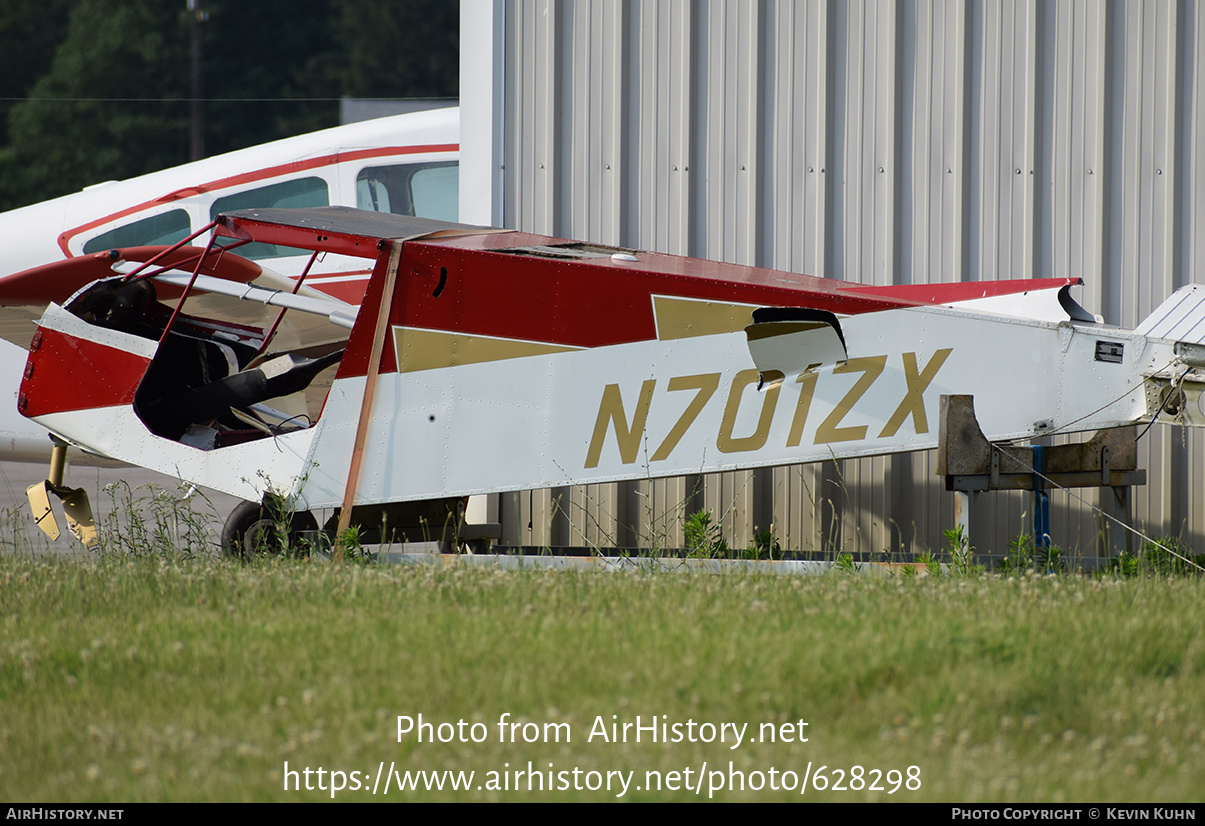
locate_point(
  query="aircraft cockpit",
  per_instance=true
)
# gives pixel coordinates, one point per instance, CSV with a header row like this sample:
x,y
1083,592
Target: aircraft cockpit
x,y
229,371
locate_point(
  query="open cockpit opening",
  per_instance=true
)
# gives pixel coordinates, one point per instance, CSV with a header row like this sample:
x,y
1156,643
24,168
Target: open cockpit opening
x,y
230,372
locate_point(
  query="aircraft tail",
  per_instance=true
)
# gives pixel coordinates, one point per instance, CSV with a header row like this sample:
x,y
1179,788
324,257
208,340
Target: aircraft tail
x,y
1180,318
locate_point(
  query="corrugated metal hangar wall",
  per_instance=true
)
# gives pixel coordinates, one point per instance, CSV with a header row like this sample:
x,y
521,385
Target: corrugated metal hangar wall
x,y
880,142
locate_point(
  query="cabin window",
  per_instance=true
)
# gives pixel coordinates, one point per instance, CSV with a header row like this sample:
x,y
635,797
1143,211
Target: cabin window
x,y
299,194
166,228
428,190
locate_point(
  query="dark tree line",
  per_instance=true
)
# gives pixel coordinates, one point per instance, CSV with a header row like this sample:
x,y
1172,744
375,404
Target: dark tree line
x,y
94,90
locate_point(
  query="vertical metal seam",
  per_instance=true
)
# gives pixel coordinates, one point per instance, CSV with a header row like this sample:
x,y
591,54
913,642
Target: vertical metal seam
x,y
970,81
1179,466
1043,140
899,468
1114,62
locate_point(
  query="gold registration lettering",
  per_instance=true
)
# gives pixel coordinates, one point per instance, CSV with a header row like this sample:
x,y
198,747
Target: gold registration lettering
x,y
610,411
726,442
706,384
871,367
807,389
914,402
629,434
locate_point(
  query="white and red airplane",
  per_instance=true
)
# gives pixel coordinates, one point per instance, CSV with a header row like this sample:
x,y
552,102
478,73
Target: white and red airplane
x,y
405,164
483,361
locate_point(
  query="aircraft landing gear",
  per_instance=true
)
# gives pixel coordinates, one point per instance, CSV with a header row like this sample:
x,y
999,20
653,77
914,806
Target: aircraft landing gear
x,y
255,529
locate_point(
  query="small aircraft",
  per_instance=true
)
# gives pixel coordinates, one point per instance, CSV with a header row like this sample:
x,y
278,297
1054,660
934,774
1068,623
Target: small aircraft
x,y
405,163
484,360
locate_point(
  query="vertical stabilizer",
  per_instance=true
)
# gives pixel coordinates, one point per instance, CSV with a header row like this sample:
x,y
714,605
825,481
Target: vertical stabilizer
x,y
1180,318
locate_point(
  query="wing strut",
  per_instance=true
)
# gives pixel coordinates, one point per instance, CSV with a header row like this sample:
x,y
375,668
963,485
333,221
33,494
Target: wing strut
x,y
370,388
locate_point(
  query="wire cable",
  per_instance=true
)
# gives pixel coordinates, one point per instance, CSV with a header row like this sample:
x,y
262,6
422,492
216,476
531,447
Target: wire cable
x,y
1051,483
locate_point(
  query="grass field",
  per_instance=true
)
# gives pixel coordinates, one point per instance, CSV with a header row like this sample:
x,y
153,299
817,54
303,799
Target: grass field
x,y
153,678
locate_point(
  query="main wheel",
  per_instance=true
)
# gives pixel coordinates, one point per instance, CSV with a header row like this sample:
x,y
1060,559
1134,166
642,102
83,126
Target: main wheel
x,y
252,529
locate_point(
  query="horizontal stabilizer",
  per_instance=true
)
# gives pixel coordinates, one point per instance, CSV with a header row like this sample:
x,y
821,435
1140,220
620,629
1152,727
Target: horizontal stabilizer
x,y
786,342
1180,318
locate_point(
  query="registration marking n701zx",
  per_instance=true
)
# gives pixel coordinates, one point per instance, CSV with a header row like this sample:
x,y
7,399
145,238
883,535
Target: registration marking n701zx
x,y
630,430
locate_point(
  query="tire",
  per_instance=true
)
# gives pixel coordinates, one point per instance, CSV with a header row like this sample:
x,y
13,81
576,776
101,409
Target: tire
x,y
251,530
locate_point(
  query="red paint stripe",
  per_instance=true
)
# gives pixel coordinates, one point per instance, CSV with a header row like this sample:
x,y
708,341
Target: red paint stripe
x,y
964,290
66,373
257,175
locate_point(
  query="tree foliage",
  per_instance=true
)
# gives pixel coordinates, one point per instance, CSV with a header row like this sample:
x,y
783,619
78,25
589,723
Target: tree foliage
x,y
107,84
79,124
400,49
30,30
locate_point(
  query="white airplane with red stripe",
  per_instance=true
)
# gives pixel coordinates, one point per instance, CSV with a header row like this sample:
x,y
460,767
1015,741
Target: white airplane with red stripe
x,y
484,361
